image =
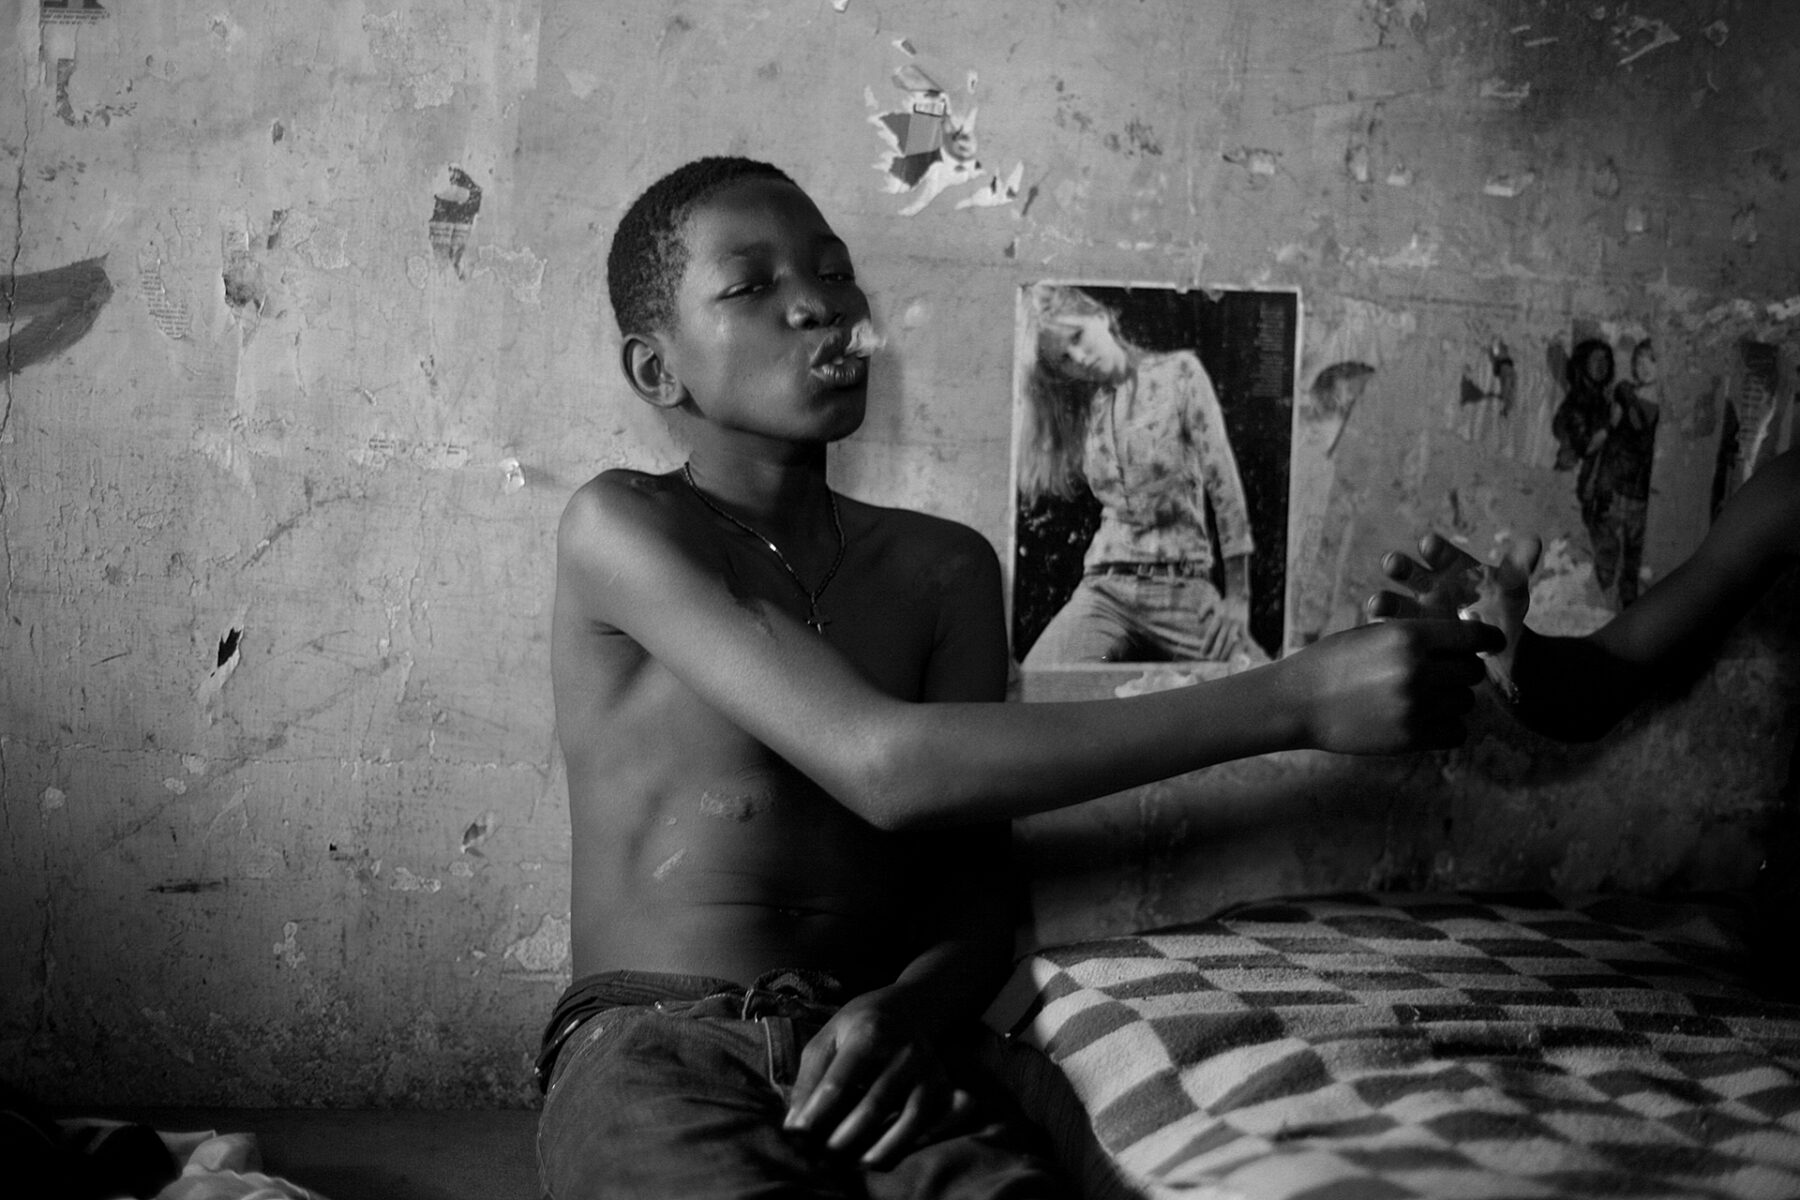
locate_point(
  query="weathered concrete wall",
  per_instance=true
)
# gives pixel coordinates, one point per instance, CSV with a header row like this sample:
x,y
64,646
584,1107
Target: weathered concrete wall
x,y
308,343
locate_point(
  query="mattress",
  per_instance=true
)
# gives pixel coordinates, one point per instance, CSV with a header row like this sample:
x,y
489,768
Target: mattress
x,y
1356,1046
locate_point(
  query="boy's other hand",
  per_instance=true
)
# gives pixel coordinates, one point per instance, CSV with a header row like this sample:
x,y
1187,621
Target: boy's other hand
x,y
871,1084
1394,686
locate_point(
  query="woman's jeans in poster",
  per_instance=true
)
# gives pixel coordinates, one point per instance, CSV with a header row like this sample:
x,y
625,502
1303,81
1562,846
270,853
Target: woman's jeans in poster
x,y
1149,612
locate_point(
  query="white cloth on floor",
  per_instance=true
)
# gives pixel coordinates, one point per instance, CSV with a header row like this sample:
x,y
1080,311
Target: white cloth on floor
x,y
225,1166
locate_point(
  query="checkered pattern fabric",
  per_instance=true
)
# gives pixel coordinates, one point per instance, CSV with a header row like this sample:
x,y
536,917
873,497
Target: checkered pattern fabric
x,y
1384,1047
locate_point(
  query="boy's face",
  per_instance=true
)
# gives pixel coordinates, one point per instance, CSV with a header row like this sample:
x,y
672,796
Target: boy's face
x,y
763,316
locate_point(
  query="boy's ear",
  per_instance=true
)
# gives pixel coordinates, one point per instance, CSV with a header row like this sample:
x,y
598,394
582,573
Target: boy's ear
x,y
648,370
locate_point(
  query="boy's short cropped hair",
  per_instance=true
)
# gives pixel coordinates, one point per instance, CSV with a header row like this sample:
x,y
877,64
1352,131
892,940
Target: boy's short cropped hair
x,y
649,253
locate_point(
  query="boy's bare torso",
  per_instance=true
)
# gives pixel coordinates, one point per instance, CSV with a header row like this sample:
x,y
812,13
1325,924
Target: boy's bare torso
x,y
697,850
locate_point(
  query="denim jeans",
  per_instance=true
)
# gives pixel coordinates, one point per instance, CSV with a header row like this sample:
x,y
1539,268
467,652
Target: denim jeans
x,y
1120,617
678,1089
1616,529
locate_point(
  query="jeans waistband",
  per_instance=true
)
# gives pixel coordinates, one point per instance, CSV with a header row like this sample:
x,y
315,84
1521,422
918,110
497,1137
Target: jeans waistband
x,y
1172,569
794,992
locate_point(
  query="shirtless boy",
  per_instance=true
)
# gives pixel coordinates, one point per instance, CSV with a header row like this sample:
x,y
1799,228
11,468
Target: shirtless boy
x,y
790,766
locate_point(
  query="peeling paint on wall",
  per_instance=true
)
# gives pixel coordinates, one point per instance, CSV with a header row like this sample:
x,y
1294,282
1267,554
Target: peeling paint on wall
x,y
242,273
229,656
1496,378
1606,183
1254,159
1743,226
1753,416
1511,93
423,55
1414,16
929,147
521,271
479,831
453,218
61,24
381,449
406,880
996,192
546,950
1332,396
168,308
1349,343
287,951
1638,35
1509,184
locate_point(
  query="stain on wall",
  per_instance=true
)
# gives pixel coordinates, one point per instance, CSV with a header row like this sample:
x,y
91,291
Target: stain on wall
x,y
48,311
362,355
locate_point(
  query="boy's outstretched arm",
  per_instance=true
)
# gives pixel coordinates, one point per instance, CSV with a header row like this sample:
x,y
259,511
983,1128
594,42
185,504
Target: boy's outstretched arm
x,y
631,564
1578,688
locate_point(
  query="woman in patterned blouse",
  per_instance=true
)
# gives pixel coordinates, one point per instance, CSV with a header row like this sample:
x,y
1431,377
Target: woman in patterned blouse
x,y
1144,433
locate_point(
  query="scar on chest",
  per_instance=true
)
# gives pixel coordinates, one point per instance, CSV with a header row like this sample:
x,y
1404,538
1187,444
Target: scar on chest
x,y
752,606
734,805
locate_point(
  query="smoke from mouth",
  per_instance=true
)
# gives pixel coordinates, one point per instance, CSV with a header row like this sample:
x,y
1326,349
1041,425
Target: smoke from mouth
x,y
864,341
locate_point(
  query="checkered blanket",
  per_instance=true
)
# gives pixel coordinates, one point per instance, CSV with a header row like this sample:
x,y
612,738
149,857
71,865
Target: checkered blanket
x,y
1389,1046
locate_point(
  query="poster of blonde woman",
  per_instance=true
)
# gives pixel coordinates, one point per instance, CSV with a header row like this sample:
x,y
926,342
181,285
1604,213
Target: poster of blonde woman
x,y
1152,433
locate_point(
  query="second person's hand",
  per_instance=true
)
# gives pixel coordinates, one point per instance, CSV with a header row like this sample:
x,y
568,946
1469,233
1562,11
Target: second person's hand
x,y
1447,581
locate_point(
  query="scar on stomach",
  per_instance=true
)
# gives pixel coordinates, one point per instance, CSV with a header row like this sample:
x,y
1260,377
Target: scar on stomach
x,y
734,806
669,864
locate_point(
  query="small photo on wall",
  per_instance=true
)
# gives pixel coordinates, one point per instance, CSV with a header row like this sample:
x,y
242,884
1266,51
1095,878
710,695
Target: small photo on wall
x,y
1152,438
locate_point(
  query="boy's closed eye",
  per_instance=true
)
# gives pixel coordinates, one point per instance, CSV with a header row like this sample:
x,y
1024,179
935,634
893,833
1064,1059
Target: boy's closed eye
x,y
752,285
748,287
837,268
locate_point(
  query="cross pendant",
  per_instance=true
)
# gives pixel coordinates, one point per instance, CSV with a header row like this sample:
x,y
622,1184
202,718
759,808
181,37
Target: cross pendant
x,y
817,622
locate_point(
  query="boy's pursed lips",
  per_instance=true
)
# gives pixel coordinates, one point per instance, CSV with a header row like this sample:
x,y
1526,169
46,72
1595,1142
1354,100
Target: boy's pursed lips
x,y
841,370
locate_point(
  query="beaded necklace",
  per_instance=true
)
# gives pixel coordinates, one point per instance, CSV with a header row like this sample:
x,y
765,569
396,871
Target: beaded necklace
x,y
812,595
